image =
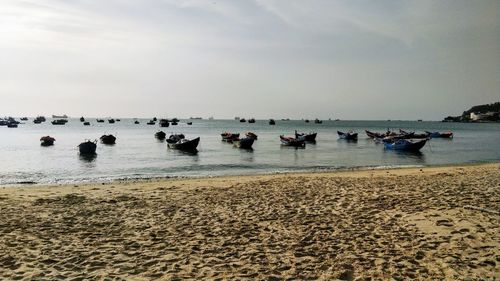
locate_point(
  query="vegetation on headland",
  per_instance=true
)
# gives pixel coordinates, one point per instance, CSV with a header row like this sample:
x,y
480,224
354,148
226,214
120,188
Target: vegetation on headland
x,y
479,113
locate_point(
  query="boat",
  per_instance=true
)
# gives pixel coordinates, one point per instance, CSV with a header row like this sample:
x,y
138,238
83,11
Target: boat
x,y
176,120
24,118
196,118
242,120
40,119
100,120
272,122
251,135
60,116
108,139
229,137
82,119
410,135
59,122
3,122
446,135
164,123
87,147
189,123
403,144
290,141
175,138
151,122
251,120
317,121
86,123
183,144
244,143
375,135
285,119
311,137
11,125
111,121
348,136
160,135
237,118
47,141
155,119
118,120
37,121
137,122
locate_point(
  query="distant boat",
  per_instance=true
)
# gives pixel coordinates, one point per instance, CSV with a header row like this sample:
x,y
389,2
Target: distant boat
x,y
404,145
251,120
60,116
88,147
211,118
160,135
307,120
237,118
100,120
37,121
419,120
175,120
155,119
11,125
41,119
285,119
272,122
151,122
24,118
164,123
82,119
348,135
111,121
108,139
189,123
317,121
195,118
137,122
244,143
3,122
446,135
118,120
86,123
311,137
243,120
47,141
59,122
290,141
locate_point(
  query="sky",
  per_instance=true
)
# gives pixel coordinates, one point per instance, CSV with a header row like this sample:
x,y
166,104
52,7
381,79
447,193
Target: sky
x,y
357,60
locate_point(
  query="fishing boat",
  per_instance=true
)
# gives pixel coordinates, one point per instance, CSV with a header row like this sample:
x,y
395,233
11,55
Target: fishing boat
x,y
108,139
164,123
348,135
317,121
88,147
376,135
11,125
151,122
37,121
311,137
40,119
403,144
47,141
3,122
410,135
137,122
100,120
181,143
60,116
251,120
290,141
272,122
24,119
82,119
244,143
251,135
242,120
111,121
189,123
155,119
160,135
175,120
307,120
59,122
446,135
229,137
86,123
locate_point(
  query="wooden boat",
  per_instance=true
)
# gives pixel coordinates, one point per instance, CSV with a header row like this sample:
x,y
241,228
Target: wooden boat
x,y
137,122
86,123
155,119
311,137
251,135
376,135
40,119
229,137
243,120
251,120
290,141
183,144
244,143
100,120
307,120
403,144
111,121
88,147
446,135
108,139
3,122
59,122
151,122
189,123
11,125
317,121
272,122
176,120
164,123
82,119
47,141
59,116
24,119
118,120
348,135
175,138
160,135
37,121
410,135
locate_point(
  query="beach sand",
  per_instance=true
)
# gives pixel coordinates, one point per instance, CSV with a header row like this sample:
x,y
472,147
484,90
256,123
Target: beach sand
x,y
420,223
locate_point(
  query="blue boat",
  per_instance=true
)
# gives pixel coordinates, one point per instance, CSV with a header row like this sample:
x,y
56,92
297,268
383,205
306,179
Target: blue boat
x,y
404,145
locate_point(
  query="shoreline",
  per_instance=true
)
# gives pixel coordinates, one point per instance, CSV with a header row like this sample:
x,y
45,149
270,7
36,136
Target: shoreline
x,y
437,223
30,184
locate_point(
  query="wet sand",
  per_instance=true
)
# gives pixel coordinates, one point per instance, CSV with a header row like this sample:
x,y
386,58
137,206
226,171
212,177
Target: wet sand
x,y
429,224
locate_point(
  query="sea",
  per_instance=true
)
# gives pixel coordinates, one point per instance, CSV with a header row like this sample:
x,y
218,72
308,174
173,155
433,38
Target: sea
x,y
137,154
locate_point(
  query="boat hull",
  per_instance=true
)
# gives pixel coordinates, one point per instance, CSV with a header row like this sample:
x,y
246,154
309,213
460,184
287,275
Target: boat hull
x,y
190,145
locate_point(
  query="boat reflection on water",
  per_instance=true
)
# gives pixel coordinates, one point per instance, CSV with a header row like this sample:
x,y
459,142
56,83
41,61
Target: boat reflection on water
x,y
88,157
413,156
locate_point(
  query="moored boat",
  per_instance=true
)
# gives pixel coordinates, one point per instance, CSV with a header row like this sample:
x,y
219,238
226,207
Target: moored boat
x,y
151,122
111,121
164,123
189,123
108,139
290,141
244,143
47,141
82,119
24,119
181,143
272,122
311,137
348,136
88,147
251,120
229,137
251,135
317,121
160,135
100,120
243,120
446,135
403,144
59,122
86,123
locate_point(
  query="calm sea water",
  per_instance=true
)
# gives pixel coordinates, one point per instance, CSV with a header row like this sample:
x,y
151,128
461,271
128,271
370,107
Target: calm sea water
x,y
137,154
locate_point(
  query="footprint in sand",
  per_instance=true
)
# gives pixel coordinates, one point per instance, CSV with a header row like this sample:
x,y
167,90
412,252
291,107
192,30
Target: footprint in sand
x,y
444,222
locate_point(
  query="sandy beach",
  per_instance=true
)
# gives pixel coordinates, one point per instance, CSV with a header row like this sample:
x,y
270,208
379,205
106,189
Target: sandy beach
x,y
421,223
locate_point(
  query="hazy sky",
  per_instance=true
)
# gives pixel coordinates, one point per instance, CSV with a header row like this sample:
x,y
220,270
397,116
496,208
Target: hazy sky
x,y
262,58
